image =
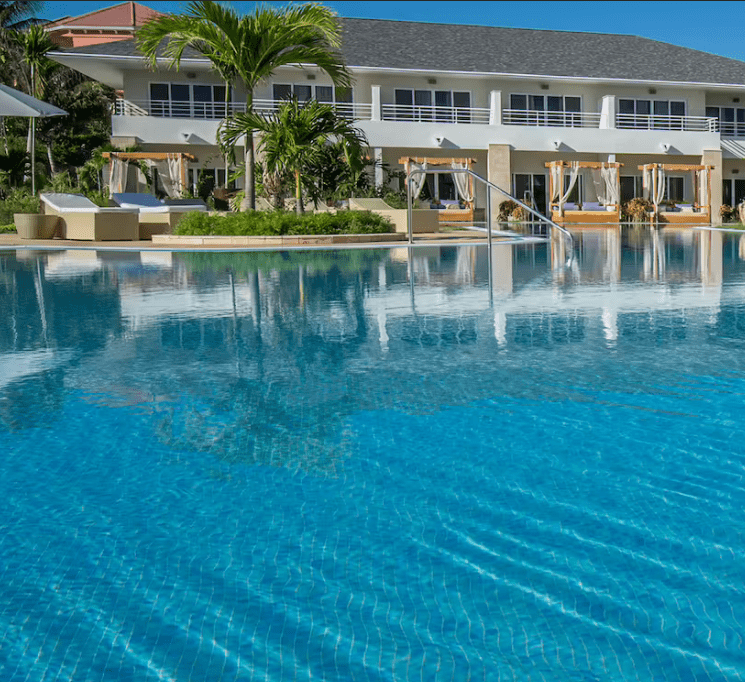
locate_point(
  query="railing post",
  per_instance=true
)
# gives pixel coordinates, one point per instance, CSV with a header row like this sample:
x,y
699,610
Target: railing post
x,y
376,114
495,108
608,112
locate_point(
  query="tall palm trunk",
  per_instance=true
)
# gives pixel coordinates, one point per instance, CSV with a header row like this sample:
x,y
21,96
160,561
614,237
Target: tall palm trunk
x,y
250,157
299,208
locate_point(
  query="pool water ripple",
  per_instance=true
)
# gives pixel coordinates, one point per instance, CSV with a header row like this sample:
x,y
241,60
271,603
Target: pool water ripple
x,y
308,467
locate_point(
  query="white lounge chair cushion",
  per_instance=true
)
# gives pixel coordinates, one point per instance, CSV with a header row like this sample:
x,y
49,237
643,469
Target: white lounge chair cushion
x,y
77,203
147,203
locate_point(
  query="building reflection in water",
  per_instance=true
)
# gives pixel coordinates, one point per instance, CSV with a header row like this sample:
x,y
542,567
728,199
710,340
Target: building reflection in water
x,y
219,348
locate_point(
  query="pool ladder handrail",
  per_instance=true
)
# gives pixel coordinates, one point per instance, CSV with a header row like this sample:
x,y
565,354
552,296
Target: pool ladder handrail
x,y
490,186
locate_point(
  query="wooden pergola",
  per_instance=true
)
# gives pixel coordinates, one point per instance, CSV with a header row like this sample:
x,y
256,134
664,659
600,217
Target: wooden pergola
x,y
561,216
700,211
450,215
184,159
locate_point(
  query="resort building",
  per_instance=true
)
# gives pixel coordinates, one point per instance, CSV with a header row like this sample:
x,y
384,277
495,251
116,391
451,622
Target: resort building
x,y
567,120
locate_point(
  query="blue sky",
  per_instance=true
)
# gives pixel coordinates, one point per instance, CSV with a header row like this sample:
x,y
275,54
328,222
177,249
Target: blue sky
x,y
708,26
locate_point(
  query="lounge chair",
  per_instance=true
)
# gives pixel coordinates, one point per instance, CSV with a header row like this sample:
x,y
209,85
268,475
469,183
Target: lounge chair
x,y
424,220
156,217
81,219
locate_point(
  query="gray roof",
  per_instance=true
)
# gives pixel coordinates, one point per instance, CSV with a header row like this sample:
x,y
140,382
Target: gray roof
x,y
485,49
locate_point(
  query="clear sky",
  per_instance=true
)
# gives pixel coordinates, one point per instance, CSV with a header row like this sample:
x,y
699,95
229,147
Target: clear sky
x,y
708,26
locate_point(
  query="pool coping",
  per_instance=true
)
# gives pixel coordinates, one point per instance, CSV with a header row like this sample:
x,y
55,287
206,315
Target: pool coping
x,y
225,244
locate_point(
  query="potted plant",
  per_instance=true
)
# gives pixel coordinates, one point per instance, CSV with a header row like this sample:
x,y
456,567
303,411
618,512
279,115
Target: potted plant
x,y
35,225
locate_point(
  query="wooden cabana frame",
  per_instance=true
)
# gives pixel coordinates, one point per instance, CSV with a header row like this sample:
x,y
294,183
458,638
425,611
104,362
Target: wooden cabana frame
x,y
701,213
561,216
184,158
448,215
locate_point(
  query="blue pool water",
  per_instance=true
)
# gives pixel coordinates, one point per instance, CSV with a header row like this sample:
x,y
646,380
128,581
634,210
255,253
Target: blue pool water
x,y
355,465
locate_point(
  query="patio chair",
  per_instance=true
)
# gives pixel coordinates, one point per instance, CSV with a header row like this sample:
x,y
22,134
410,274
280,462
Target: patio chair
x,y
81,219
155,217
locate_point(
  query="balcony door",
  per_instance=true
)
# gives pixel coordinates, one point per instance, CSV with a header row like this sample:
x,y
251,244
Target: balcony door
x,y
631,187
731,120
530,188
187,100
733,191
640,113
447,106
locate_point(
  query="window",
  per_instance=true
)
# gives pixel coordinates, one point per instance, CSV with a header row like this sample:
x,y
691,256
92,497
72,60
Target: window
x,y
550,110
186,100
439,186
731,120
641,113
447,106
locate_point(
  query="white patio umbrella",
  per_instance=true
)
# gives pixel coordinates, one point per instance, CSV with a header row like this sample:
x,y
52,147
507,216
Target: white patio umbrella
x,y
16,103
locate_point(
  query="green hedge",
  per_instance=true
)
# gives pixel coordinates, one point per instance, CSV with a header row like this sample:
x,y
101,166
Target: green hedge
x,y
17,201
7,229
259,223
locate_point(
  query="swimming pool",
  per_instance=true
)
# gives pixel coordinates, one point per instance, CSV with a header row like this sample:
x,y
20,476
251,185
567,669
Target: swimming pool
x,y
354,465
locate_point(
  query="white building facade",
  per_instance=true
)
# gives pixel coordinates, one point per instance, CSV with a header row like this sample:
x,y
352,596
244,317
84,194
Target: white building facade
x,y
512,99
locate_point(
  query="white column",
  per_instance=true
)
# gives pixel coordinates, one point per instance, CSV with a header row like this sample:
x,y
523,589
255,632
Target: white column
x,y
378,155
608,112
376,108
495,108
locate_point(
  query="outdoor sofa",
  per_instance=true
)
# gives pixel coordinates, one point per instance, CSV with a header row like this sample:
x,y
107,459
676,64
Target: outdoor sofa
x,y
80,218
155,217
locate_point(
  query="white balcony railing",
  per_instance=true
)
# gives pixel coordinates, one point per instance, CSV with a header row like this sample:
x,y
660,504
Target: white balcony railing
x,y
217,110
551,119
428,113
352,110
732,129
655,122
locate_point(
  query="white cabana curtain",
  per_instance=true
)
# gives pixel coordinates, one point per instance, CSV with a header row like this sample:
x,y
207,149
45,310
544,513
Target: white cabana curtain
x,y
118,177
598,179
612,189
169,175
702,177
555,183
461,182
660,194
648,185
417,181
573,175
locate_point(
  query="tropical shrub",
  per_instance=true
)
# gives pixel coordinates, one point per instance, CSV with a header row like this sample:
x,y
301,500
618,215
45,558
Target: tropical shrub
x,y
17,201
257,223
728,213
636,209
509,209
7,229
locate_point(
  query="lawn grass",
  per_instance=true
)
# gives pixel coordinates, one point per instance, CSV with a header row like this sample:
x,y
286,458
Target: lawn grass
x,y
259,223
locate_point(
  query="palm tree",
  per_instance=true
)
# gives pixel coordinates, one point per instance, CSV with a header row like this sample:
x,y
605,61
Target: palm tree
x,y
293,137
34,44
250,48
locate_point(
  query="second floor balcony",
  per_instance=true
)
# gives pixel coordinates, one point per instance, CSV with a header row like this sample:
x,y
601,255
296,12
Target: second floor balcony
x,y
215,111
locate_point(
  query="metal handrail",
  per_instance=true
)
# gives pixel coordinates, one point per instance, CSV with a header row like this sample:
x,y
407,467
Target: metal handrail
x,y
490,185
